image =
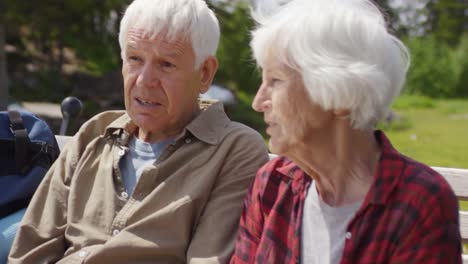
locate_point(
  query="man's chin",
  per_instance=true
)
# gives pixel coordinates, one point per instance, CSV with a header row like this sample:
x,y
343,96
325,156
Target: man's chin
x,y
144,121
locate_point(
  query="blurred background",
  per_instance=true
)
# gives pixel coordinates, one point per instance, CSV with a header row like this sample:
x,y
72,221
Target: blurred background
x,y
52,49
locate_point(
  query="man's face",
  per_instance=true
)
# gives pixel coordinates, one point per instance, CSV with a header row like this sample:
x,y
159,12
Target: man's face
x,y
161,85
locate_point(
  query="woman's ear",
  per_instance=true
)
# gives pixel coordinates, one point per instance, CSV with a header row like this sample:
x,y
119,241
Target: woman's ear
x,y
207,72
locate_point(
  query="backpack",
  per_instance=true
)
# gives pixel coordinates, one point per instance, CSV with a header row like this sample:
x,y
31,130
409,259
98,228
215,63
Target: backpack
x,y
27,150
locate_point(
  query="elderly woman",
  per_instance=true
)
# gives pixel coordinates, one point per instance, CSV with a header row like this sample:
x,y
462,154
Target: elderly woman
x,y
339,192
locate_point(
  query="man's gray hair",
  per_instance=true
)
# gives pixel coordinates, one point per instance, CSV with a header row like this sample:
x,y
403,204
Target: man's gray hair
x,y
342,49
191,20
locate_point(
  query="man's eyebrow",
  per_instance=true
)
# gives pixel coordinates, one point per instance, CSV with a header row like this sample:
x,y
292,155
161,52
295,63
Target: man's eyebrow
x,y
131,46
172,54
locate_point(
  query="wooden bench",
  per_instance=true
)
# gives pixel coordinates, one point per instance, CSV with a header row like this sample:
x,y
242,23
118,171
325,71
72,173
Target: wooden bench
x,y
457,178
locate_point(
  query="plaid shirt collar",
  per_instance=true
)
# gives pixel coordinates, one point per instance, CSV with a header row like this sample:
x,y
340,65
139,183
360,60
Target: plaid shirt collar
x,y
385,179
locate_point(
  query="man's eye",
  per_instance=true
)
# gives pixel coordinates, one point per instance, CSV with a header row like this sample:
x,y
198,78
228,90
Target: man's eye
x,y
134,58
166,64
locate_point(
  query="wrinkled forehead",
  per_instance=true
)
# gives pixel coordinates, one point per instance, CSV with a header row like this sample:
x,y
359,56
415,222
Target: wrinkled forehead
x,y
138,39
162,35
168,28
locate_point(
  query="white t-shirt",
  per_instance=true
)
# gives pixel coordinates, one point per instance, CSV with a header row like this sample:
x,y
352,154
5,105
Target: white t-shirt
x,y
324,229
139,156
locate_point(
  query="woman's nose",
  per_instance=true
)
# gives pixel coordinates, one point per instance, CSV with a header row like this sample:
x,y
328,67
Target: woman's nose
x,y
261,99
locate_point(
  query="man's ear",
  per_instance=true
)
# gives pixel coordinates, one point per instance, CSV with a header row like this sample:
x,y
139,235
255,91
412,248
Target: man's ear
x,y
207,72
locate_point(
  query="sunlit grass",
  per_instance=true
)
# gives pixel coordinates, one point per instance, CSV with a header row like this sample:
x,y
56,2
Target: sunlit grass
x,y
437,133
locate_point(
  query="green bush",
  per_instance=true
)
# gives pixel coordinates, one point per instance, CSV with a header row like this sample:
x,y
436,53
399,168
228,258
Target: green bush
x,y
432,72
461,55
437,70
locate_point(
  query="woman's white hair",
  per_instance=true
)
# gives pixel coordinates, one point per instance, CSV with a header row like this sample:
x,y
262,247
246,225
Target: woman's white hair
x,y
347,58
191,20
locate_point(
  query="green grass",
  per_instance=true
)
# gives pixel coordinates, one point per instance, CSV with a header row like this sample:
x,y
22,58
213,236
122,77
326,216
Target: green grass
x,y
436,131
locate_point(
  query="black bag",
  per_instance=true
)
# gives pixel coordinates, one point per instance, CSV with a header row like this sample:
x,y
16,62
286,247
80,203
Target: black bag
x,y
27,150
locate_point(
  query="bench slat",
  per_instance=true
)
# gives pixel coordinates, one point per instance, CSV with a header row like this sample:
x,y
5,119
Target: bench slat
x,y
458,180
464,226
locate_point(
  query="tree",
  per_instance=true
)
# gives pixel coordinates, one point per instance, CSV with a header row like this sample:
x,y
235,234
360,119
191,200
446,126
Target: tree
x,y
43,33
391,16
447,20
4,92
237,68
432,72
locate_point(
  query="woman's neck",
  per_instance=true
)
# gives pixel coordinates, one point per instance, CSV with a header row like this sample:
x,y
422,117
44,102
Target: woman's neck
x,y
342,162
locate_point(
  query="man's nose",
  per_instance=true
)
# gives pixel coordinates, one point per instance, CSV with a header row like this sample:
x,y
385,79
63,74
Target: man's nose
x,y
149,76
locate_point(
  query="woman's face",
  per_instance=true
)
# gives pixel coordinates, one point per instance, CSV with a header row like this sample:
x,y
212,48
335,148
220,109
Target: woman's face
x,y
291,117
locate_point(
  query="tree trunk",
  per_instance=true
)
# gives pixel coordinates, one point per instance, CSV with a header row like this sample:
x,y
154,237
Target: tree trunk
x,y
4,93
58,69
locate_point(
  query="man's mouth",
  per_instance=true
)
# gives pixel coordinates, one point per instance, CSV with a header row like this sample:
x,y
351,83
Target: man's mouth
x,y
146,102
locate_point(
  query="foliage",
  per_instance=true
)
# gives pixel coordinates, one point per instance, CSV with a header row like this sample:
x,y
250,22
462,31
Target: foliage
x,y
461,67
244,113
435,69
447,20
236,66
3,64
237,70
42,31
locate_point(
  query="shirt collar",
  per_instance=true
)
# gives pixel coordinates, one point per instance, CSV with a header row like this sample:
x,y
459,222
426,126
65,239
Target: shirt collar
x,y
299,180
389,171
208,126
288,168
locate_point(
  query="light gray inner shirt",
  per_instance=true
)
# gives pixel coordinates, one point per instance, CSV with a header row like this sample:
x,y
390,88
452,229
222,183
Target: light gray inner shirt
x,y
139,156
324,229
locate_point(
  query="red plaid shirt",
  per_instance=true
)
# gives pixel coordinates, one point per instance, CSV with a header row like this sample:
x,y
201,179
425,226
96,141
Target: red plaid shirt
x,y
410,215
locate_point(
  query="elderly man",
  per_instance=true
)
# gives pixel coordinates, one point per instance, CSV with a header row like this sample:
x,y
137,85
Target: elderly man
x,y
162,182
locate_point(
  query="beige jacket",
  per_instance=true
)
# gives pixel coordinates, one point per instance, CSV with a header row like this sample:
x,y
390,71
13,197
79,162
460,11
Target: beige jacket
x,y
184,209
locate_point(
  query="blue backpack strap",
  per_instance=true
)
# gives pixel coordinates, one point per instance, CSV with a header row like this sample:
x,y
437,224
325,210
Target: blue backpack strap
x,y
22,142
